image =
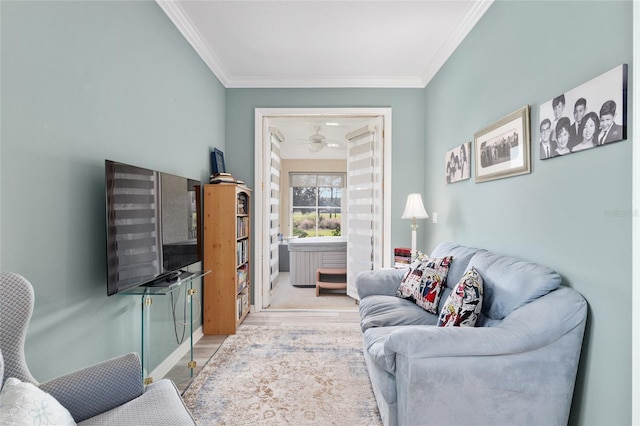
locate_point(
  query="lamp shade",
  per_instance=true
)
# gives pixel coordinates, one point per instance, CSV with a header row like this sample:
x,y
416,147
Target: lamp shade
x,y
414,208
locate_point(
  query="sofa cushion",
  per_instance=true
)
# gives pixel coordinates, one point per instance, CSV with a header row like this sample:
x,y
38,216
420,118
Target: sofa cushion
x,y
24,404
510,283
385,311
461,257
462,307
423,282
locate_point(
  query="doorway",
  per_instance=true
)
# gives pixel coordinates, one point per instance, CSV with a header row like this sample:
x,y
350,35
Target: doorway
x,y
372,137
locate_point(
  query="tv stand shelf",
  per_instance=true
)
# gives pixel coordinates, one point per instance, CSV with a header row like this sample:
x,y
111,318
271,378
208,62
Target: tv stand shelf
x,y
146,294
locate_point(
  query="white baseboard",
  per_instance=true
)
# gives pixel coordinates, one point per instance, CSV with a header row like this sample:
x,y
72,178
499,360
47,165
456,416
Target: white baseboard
x,y
169,362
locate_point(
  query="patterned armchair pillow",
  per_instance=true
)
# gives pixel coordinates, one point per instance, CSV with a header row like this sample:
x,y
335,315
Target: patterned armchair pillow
x,y
22,403
462,307
424,281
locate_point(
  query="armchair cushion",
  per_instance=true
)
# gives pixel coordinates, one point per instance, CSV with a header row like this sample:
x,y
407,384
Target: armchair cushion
x,y
160,405
98,388
23,404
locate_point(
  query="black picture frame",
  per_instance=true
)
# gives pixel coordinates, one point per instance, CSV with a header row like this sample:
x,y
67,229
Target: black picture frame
x,y
217,162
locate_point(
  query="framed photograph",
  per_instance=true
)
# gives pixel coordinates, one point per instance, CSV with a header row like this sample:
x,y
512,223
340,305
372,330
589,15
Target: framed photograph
x,y
457,163
217,162
502,149
591,115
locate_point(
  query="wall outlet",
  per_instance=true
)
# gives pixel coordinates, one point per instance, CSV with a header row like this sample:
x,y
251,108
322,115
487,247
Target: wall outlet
x,y
434,217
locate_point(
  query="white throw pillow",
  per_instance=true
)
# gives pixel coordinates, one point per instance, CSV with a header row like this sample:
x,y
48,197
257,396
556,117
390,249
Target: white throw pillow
x,y
24,404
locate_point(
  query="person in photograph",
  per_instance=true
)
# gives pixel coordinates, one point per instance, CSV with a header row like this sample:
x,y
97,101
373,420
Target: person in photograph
x,y
456,165
451,168
563,131
610,131
590,129
558,109
546,148
465,172
579,109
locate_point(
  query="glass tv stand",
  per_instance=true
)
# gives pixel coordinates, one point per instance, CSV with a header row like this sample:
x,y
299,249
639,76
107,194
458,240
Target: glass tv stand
x,y
185,283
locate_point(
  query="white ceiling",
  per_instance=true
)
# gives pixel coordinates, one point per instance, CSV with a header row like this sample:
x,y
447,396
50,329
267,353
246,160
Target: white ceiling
x,y
296,131
323,43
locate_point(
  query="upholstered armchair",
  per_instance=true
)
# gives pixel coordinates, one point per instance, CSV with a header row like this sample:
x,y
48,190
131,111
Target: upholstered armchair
x,y
109,393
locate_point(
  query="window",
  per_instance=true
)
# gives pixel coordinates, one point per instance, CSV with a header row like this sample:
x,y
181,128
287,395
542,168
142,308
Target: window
x,y
316,203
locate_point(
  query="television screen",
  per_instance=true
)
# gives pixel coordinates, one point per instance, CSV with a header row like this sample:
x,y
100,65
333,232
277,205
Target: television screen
x,y
152,225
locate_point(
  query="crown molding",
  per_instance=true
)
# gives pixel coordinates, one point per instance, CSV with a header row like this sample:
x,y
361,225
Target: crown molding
x,y
446,50
175,13
318,82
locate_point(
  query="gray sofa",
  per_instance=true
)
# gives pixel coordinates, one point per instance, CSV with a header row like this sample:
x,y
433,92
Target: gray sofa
x,y
517,366
110,393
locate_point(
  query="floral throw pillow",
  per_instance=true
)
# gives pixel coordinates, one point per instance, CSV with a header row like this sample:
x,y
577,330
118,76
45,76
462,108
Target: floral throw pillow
x,y
22,403
462,307
424,281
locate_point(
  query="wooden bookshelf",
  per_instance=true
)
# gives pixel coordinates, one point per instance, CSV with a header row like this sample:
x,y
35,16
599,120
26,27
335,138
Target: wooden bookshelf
x,y
227,248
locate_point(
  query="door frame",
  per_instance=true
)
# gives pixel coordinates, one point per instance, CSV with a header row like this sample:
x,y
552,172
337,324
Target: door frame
x,y
262,148
635,226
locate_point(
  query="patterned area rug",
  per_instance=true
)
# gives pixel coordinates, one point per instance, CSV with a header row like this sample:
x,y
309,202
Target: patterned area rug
x,y
285,375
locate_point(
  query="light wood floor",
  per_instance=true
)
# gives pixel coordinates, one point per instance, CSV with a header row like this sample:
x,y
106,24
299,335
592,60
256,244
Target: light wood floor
x,y
207,346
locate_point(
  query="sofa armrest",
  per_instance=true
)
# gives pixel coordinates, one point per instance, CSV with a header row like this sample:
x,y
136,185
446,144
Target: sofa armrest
x,y
491,375
380,281
532,326
98,388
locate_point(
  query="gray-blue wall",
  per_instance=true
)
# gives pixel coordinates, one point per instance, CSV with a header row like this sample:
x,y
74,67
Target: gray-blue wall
x,y
83,82
571,213
407,134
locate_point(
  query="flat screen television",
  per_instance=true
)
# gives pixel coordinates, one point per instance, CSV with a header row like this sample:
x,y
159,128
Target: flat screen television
x,y
152,225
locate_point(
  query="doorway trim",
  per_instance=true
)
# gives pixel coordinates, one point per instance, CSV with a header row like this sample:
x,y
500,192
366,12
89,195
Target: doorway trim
x,y
261,150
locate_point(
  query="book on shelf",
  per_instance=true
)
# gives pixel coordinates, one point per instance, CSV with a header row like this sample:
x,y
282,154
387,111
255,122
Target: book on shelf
x,y
243,226
243,251
243,303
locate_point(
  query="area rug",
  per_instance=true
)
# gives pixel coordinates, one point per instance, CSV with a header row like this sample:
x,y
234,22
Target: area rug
x,y
285,375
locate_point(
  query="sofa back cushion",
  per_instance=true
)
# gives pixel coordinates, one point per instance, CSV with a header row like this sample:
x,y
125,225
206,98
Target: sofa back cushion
x,y
461,257
510,283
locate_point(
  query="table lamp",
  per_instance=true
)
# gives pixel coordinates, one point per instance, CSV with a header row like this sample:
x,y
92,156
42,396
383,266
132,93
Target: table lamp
x,y
414,210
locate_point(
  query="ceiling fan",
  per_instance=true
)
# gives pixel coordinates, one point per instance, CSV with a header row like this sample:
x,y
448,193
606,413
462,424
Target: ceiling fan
x,y
316,141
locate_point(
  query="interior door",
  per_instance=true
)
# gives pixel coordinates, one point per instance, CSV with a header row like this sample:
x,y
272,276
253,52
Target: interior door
x,y
364,201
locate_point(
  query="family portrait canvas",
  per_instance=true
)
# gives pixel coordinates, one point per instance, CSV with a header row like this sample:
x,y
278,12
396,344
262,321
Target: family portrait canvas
x,y
591,115
502,149
457,164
